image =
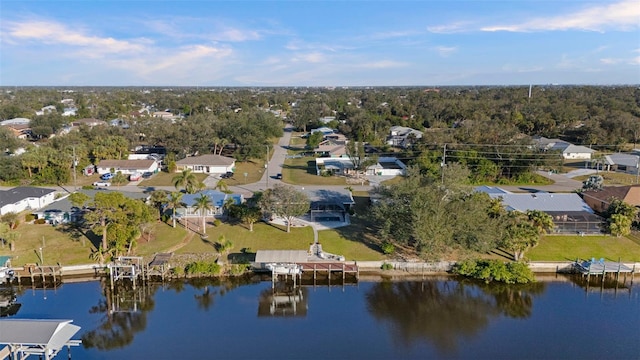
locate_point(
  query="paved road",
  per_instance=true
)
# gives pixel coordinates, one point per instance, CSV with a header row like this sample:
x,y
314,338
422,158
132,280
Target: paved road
x,y
563,182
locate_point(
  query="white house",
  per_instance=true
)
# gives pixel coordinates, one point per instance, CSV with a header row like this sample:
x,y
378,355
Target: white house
x,y
568,150
402,136
207,164
25,197
126,166
387,166
334,165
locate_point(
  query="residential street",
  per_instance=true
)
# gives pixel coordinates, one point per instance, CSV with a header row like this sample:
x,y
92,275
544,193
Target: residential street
x,y
563,182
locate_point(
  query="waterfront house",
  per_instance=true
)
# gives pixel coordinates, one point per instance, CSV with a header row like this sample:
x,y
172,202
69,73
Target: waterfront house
x,y
570,214
218,200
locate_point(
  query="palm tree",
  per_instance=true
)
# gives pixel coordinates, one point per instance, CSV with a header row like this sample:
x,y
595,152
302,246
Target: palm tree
x,y
186,179
223,186
203,204
174,202
540,220
158,199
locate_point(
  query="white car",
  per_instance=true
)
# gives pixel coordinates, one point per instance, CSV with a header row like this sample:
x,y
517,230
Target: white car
x,y
101,184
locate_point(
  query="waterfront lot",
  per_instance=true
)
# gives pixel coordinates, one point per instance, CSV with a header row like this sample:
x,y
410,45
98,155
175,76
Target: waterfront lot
x,y
568,248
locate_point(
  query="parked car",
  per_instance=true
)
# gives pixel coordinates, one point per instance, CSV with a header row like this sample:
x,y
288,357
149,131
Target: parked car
x,y
279,176
227,175
147,174
107,176
135,177
101,184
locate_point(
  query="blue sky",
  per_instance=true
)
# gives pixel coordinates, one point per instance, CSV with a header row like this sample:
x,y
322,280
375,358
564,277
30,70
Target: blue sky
x,y
319,43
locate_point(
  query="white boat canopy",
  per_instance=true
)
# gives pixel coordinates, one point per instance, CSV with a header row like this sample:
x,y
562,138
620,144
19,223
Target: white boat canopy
x,y
46,338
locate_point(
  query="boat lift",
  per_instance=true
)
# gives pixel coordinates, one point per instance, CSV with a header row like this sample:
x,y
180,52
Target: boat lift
x,y
44,338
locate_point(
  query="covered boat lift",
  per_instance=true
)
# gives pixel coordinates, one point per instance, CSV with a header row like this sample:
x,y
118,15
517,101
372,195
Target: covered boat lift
x,y
44,338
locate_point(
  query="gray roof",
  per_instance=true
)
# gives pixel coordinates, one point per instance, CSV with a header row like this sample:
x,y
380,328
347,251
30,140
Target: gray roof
x,y
491,190
543,202
16,194
622,159
571,149
333,196
53,334
281,256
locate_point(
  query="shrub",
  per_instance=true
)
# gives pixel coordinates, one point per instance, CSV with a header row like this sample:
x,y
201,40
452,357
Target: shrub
x,y
40,221
29,218
87,187
387,266
217,222
202,268
388,248
495,270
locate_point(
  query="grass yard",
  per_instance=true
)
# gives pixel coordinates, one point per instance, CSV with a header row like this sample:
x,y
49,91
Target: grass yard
x,y
335,243
302,171
263,237
58,247
568,248
165,179
253,168
163,237
612,178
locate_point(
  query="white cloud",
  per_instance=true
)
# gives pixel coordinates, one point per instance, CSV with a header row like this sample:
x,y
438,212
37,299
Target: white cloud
x,y
383,64
456,27
312,57
621,16
445,51
610,61
52,33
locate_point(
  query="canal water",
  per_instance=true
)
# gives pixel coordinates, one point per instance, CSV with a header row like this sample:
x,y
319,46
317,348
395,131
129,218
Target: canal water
x,y
560,318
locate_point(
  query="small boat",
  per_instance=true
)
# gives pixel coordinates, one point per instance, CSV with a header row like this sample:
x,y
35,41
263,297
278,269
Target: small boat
x,y
6,274
289,269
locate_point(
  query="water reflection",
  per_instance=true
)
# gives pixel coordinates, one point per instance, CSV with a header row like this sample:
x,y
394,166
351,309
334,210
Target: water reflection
x,y
124,312
8,302
446,312
283,300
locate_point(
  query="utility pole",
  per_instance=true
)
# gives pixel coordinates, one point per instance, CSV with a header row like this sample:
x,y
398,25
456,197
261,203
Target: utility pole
x,y
637,169
75,176
444,161
266,166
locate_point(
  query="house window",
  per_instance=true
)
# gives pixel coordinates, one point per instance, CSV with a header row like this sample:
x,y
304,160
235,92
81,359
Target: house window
x,y
198,168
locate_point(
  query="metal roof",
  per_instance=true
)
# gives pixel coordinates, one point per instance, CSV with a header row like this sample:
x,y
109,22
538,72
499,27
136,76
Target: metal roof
x,y
281,256
218,198
52,334
491,190
543,202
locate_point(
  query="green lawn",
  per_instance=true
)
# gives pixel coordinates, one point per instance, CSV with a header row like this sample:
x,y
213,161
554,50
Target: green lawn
x,y
263,237
253,168
335,243
163,237
302,171
57,246
567,248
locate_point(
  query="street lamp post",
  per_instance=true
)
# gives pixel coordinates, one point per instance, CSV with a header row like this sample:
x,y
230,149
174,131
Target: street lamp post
x,y
41,257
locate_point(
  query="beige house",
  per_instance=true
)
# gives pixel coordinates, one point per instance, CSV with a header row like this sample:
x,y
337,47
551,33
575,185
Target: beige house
x,y
207,164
